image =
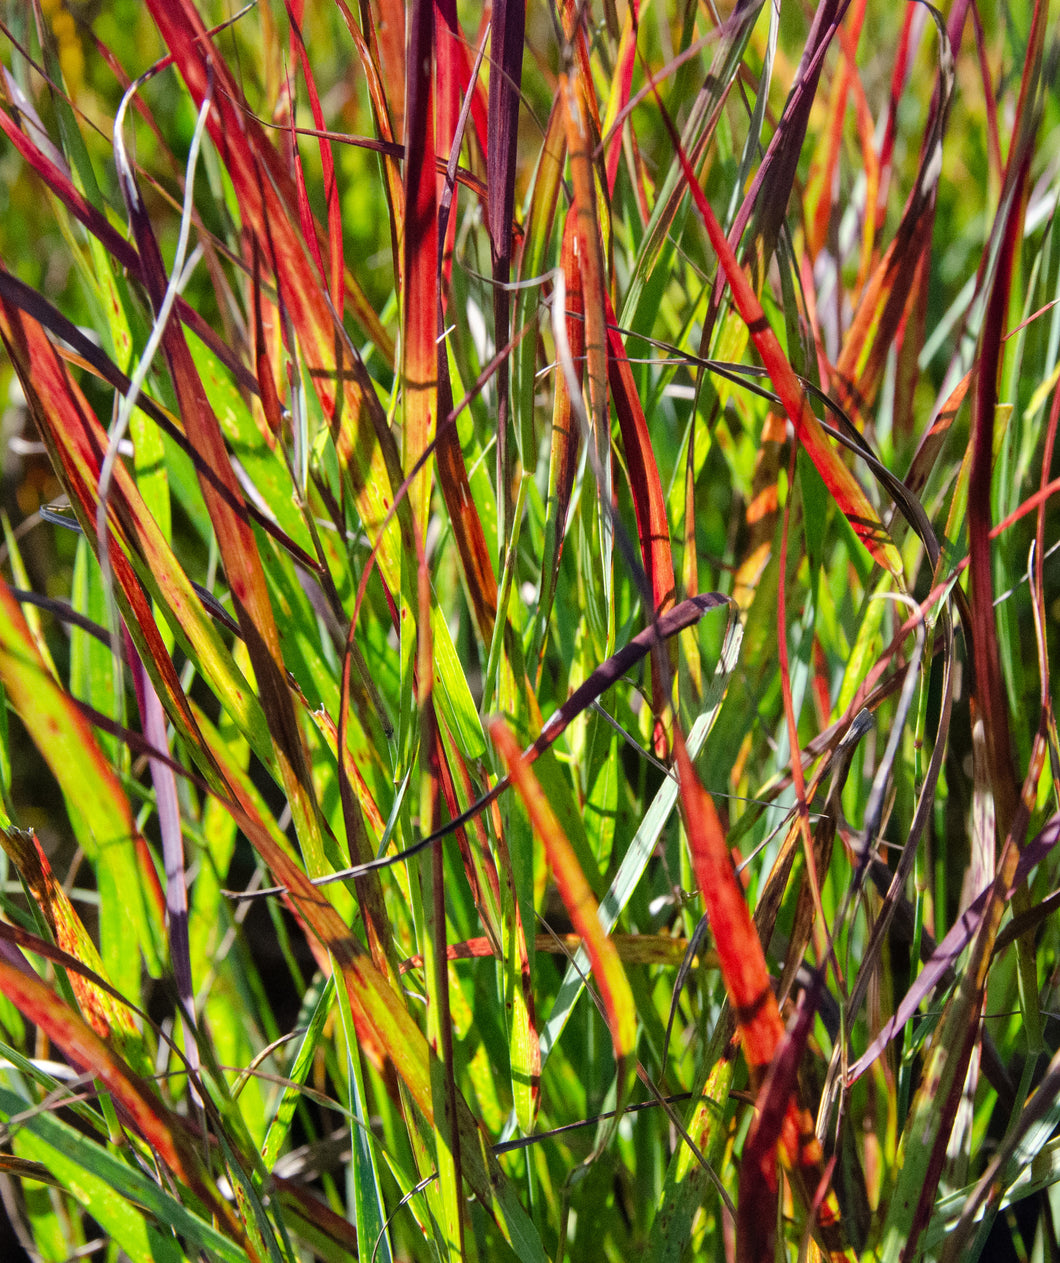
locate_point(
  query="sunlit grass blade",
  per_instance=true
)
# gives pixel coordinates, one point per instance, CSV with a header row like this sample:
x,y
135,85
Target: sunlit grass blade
x,y
842,484
767,198
107,1017
163,1130
506,61
237,546
421,309
388,1036
619,96
644,843
565,441
885,301
615,994
266,200
89,1168
88,784
747,984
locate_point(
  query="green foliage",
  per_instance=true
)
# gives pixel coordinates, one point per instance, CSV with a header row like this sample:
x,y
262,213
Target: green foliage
x,y
319,461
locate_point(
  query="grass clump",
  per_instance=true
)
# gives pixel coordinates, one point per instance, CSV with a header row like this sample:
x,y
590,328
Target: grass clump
x,y
526,631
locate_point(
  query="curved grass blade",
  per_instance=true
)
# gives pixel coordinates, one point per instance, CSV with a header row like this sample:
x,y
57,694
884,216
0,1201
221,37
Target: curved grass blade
x,y
642,847
88,784
140,1106
82,1164
362,438
107,1017
390,1038
750,992
506,75
235,539
566,437
842,484
886,299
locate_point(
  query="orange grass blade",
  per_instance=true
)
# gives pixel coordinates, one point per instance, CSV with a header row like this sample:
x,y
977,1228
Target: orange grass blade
x,y
336,261
886,299
742,961
615,994
238,548
389,1036
104,1013
76,443
267,203
589,244
420,252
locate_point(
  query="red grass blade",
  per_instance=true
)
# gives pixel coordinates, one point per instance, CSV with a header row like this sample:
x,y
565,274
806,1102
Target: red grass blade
x,y
331,191
649,504
842,484
236,542
742,960
589,243
750,992
107,1017
136,1099
76,443
62,186
620,90
771,188
267,202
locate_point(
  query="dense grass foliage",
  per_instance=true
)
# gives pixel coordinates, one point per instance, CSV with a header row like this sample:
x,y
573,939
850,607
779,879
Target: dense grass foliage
x,y
528,606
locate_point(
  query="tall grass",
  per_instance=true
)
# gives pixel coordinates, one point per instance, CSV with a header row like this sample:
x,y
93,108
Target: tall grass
x,y
528,588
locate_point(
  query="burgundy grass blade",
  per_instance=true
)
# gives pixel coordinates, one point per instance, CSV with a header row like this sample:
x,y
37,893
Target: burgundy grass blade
x,y
62,186
506,75
767,198
238,548
989,685
949,951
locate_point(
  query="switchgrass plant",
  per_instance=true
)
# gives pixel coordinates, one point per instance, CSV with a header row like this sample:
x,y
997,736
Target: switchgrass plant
x,y
526,635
